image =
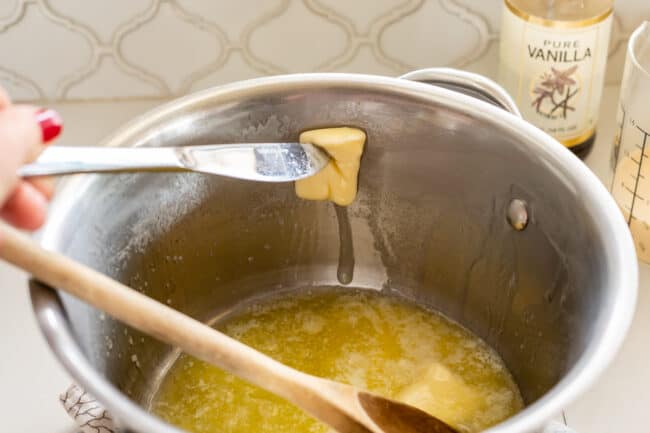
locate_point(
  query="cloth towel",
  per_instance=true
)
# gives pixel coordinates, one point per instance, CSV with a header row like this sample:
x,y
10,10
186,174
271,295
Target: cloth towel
x,y
86,411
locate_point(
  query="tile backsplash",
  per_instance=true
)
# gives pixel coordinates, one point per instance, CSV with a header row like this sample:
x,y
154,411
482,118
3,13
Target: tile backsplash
x,y
64,50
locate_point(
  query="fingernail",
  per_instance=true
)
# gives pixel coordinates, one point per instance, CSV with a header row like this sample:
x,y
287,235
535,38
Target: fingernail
x,y
50,122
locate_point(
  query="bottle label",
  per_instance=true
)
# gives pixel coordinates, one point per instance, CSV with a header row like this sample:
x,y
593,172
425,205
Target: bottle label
x,y
555,71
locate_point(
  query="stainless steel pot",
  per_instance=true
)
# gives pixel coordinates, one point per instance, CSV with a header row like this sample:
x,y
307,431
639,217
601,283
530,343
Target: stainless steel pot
x,y
446,184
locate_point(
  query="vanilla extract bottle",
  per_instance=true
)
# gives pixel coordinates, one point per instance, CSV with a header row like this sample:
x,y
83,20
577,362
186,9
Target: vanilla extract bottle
x,y
552,61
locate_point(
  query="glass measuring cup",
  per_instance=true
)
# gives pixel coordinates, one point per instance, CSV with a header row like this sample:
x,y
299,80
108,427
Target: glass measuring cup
x,y
631,156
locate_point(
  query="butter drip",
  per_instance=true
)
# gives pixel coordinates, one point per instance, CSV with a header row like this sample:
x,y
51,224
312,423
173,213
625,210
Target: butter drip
x,y
337,182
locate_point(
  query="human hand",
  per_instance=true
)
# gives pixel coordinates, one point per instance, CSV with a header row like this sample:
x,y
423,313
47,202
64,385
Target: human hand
x,y
24,130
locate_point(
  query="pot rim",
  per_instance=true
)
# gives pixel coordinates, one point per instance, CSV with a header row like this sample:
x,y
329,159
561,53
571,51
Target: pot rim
x,y
603,345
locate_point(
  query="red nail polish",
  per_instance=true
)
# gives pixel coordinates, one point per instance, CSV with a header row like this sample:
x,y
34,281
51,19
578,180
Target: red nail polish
x,y
50,122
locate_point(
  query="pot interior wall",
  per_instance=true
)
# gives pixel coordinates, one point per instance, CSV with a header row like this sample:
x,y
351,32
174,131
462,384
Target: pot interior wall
x,y
429,222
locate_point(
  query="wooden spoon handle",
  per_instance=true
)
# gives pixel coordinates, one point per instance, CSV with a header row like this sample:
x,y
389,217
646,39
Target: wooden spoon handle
x,y
150,316
334,403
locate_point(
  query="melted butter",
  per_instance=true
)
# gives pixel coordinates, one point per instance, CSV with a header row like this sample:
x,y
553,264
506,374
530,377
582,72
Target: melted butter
x,y
336,182
375,342
437,380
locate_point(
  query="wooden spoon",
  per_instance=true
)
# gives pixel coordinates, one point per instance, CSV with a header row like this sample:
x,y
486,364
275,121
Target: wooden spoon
x,y
344,407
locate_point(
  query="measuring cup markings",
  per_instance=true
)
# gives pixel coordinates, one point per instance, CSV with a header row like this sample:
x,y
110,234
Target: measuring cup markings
x,y
638,162
631,185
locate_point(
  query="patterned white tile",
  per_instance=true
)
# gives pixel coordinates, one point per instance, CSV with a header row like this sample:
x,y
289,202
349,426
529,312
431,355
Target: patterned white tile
x,y
365,61
490,10
7,8
234,69
615,65
488,63
171,46
422,38
53,49
43,50
297,40
632,12
233,17
362,15
101,16
617,51
19,88
109,81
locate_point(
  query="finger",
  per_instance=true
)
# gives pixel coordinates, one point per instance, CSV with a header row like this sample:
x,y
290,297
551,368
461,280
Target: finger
x,y
45,185
50,123
23,130
26,208
4,99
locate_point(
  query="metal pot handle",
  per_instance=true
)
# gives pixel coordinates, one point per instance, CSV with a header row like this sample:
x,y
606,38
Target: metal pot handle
x,y
467,83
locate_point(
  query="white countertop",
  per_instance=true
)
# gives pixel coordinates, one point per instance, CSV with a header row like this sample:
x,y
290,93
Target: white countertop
x,y
32,379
